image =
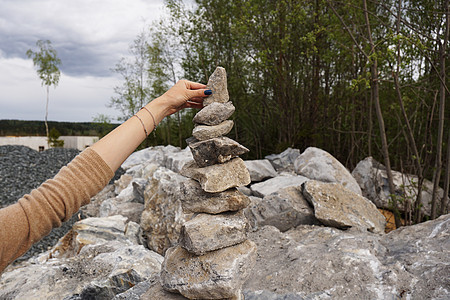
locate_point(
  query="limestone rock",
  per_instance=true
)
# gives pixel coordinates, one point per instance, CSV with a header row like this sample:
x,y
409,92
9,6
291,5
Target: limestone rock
x,y
205,232
218,178
216,151
285,160
318,164
284,209
272,185
163,216
175,160
195,200
260,169
131,210
218,84
372,178
336,206
215,113
204,132
215,275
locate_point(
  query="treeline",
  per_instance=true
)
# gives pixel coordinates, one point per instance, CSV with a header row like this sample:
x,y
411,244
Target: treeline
x,y
356,78
37,128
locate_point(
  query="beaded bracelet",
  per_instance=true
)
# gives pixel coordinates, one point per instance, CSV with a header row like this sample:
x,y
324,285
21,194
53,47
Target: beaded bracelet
x,y
153,118
143,126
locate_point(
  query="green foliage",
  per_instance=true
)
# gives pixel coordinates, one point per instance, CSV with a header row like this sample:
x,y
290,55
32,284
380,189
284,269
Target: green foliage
x,y
53,139
46,61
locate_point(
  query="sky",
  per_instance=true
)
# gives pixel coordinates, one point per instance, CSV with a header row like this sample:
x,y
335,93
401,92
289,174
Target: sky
x,y
90,38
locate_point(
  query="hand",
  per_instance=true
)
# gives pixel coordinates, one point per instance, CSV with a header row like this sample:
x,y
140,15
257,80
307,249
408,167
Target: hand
x,y
184,94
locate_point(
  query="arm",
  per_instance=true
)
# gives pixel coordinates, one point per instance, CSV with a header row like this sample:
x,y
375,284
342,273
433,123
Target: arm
x,y
57,199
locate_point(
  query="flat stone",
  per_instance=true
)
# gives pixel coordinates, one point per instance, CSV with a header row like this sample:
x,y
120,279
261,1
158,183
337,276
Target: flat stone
x,y
205,232
215,113
195,200
285,160
216,151
215,275
218,178
317,164
336,206
260,169
218,84
204,132
272,185
284,209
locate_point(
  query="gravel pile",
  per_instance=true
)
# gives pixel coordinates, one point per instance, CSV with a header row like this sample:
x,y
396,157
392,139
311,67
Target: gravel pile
x,y
23,169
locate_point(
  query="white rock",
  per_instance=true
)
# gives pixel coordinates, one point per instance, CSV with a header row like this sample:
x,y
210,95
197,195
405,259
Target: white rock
x,y
260,169
272,185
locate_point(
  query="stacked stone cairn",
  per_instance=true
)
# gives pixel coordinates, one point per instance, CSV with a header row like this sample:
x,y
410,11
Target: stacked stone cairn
x,y
214,257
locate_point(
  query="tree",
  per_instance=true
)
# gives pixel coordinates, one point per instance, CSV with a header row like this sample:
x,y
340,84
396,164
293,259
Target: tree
x,y
46,62
54,140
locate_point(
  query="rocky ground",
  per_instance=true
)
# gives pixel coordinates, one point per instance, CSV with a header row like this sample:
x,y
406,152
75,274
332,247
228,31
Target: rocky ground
x,y
318,236
23,169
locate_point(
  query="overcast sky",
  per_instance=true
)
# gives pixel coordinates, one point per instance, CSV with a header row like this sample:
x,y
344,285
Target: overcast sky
x,y
90,38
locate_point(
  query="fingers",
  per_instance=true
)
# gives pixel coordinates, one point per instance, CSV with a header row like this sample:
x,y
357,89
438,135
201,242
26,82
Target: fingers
x,y
194,85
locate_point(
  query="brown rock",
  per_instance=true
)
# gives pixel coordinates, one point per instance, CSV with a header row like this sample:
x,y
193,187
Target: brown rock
x,y
204,132
215,113
218,84
216,151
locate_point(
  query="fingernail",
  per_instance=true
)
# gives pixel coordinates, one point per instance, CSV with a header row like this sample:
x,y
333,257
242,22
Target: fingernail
x,y
208,92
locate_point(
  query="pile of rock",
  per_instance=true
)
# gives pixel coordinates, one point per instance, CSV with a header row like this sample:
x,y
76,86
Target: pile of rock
x,y
214,257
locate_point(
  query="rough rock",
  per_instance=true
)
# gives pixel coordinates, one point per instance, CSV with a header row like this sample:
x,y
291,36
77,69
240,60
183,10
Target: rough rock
x,y
204,132
163,216
195,200
372,178
214,113
216,151
284,209
215,275
272,185
336,206
260,169
218,178
285,160
317,164
205,232
177,159
131,210
328,263
218,84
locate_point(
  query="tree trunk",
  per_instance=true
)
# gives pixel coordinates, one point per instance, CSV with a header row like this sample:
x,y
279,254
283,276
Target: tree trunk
x,y
444,201
46,115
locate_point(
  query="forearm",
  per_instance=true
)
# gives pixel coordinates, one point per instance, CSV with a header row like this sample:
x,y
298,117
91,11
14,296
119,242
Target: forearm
x,y
115,147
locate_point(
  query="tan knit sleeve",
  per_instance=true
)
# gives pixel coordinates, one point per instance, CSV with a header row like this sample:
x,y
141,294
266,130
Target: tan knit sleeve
x,y
56,200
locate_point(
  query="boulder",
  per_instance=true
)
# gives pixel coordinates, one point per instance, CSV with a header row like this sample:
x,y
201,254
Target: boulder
x,y
336,206
205,232
131,210
260,169
318,164
204,132
163,216
216,151
214,113
175,160
314,262
215,275
284,209
218,84
195,200
218,178
272,185
285,160
147,155
372,178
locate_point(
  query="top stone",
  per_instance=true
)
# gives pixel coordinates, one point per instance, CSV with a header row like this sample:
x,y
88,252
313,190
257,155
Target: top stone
x,y
218,84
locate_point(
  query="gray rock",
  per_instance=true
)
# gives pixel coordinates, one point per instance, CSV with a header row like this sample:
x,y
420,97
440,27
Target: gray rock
x,y
215,275
336,206
284,209
285,160
272,185
175,160
372,178
318,164
195,200
163,216
131,210
214,113
218,84
326,263
260,169
216,151
218,178
205,232
204,132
